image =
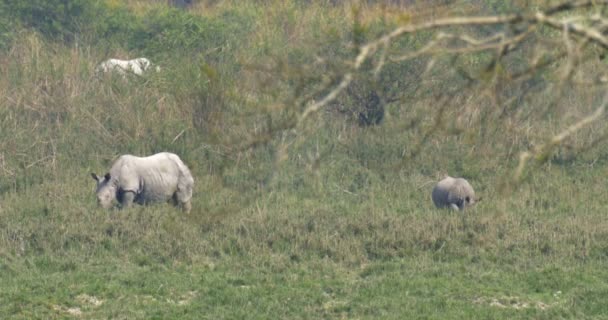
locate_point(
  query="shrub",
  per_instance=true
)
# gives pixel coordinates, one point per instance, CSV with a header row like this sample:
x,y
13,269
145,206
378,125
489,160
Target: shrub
x,y
56,19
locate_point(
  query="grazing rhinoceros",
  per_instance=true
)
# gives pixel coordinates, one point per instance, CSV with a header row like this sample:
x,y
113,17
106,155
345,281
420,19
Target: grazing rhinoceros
x,y
157,178
455,193
123,67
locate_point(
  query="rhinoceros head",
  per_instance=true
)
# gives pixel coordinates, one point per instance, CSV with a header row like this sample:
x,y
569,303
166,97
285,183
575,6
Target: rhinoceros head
x,y
106,190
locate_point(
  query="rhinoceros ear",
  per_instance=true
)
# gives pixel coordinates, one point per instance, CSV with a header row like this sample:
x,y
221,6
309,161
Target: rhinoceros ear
x,y
94,176
107,176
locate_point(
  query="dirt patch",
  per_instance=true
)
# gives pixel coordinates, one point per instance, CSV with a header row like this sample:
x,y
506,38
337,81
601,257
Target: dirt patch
x,y
89,300
513,302
184,299
71,311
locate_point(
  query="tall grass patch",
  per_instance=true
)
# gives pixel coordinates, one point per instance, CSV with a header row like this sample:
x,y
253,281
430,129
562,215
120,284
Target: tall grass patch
x,y
326,218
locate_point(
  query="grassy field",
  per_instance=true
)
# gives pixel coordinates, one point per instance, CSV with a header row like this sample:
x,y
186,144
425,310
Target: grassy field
x,y
339,224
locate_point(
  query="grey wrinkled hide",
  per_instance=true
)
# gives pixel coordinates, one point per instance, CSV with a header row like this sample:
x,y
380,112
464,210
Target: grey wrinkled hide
x,y
157,178
455,193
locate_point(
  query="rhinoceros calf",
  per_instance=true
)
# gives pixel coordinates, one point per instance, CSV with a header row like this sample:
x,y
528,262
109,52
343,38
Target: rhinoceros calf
x,y
455,193
157,178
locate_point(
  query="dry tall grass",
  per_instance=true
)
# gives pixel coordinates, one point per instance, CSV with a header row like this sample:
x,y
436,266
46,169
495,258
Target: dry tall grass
x,y
311,216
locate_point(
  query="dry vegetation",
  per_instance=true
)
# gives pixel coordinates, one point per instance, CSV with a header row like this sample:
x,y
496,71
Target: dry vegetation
x,y
315,131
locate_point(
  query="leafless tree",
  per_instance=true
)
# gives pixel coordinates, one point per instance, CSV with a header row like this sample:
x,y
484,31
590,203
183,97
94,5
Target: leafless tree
x,y
563,43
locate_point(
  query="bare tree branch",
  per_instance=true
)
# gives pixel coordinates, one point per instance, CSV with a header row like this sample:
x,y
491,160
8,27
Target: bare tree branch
x,y
538,18
541,153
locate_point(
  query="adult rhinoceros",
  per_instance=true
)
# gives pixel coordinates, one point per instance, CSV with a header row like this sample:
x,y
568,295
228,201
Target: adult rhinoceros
x,y
123,67
157,178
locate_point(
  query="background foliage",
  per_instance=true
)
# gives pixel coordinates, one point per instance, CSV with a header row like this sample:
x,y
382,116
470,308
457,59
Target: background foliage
x,y
330,218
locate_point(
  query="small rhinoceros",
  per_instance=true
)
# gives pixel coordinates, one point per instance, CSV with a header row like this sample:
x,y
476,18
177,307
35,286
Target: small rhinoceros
x,y
157,178
455,193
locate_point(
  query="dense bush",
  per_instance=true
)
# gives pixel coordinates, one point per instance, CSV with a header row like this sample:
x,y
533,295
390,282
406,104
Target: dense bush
x,y
6,31
56,19
161,32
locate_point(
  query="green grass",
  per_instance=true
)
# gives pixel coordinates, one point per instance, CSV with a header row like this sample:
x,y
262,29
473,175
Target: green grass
x,y
288,255
340,226
420,289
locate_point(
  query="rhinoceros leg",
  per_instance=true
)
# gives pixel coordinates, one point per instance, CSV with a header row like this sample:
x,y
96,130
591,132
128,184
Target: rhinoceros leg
x,y
179,201
127,199
183,196
187,206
